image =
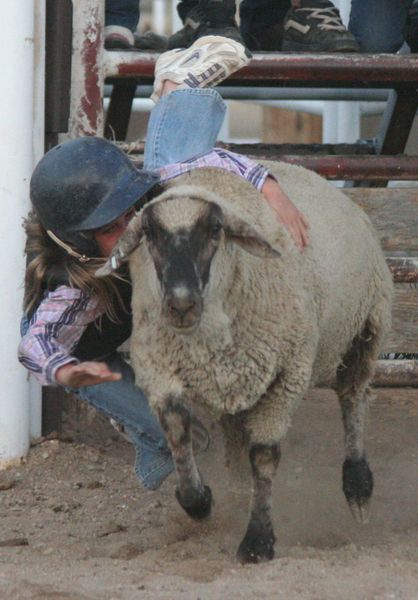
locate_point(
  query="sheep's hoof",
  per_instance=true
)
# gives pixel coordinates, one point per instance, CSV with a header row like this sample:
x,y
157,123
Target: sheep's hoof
x,y
358,488
256,548
199,506
360,512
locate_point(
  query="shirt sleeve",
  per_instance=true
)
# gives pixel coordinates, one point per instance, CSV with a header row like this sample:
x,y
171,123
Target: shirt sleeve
x,y
243,166
54,330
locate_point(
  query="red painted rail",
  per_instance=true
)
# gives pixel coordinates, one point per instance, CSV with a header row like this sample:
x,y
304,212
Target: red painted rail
x,y
315,70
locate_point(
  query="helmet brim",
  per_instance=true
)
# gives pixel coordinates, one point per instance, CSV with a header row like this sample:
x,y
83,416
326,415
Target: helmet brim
x,y
122,198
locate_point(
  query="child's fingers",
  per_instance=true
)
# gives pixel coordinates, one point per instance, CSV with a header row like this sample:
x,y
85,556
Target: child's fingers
x,y
93,373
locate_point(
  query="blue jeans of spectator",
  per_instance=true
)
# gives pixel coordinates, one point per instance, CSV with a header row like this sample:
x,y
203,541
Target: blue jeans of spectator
x,y
182,124
377,25
122,12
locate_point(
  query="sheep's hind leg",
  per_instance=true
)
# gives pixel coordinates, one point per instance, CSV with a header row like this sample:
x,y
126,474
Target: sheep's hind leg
x,y
354,394
193,496
258,542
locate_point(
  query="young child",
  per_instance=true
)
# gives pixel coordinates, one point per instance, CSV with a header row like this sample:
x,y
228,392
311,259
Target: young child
x,y
84,193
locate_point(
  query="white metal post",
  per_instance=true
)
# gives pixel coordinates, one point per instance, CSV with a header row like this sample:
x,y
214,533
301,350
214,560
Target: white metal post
x,y
330,122
38,144
17,47
348,122
87,69
341,120
159,8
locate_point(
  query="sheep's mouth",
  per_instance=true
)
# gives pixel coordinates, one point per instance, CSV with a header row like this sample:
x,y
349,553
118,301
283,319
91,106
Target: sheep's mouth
x,y
184,327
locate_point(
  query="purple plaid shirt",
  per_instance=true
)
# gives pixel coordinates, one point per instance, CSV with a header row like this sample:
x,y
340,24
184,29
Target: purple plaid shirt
x,y
63,315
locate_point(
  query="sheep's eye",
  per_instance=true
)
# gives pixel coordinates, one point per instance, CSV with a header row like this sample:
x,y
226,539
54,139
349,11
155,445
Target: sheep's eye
x,y
215,228
146,232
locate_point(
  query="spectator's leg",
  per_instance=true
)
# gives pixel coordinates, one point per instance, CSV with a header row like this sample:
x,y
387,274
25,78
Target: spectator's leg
x,y
379,25
261,23
122,12
411,30
121,20
184,7
203,18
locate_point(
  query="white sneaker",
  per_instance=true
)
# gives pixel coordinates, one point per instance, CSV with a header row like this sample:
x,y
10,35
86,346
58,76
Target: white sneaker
x,y
117,37
207,62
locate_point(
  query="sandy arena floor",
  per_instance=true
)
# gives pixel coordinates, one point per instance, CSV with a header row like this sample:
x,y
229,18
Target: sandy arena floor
x,y
76,526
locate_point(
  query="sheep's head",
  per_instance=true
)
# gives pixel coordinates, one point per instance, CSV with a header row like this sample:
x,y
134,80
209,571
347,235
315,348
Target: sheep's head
x,y
183,230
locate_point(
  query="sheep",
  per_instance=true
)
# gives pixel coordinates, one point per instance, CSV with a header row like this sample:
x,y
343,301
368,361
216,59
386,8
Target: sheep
x,y
228,313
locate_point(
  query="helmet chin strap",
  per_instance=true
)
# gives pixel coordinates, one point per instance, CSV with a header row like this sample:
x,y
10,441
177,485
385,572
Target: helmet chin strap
x,y
80,257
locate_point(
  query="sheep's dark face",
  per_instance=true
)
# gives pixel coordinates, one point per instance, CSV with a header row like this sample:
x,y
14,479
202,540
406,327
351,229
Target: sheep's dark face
x,y
182,231
182,257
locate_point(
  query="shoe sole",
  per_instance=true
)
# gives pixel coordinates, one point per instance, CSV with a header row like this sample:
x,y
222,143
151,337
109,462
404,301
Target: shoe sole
x,y
293,46
117,45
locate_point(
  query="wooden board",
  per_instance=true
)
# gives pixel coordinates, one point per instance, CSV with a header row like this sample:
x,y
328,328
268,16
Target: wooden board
x,y
394,213
281,125
404,334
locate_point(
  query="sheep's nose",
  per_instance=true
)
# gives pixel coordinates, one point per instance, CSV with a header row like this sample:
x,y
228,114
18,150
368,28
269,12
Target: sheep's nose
x,y
179,307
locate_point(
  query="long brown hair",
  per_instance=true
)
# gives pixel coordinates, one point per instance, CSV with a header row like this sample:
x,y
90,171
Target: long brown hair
x,y
48,265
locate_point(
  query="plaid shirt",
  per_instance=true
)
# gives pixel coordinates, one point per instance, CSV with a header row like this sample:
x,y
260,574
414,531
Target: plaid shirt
x,y
63,315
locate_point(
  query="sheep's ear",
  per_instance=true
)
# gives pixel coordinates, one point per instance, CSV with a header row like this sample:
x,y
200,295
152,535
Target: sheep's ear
x,y
242,233
125,246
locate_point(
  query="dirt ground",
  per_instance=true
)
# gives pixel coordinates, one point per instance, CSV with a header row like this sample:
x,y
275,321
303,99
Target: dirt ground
x,y
75,525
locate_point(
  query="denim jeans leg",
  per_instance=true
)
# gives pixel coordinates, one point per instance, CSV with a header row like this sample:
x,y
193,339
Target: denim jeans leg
x,y
122,12
183,124
151,466
378,25
258,15
126,403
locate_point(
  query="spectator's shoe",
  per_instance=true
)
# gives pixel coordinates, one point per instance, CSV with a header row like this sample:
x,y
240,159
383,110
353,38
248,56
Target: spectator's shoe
x,y
210,60
117,37
208,17
150,41
268,39
262,30
316,27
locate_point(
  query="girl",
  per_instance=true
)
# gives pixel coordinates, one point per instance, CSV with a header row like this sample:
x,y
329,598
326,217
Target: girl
x,y
84,193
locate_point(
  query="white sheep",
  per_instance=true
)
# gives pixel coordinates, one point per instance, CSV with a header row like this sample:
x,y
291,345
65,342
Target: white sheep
x,y
228,313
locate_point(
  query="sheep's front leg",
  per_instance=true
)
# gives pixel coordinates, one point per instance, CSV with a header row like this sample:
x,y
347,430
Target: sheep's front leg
x,y
267,423
193,496
258,542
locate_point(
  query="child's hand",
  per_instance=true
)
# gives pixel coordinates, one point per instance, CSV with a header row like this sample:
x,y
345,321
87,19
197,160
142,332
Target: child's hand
x,y
286,212
85,373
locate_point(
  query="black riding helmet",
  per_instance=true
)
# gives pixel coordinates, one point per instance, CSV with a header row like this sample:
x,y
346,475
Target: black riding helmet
x,y
83,184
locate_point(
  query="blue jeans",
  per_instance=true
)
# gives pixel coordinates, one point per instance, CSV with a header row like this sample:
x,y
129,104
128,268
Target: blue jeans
x,y
377,25
183,124
126,403
122,12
